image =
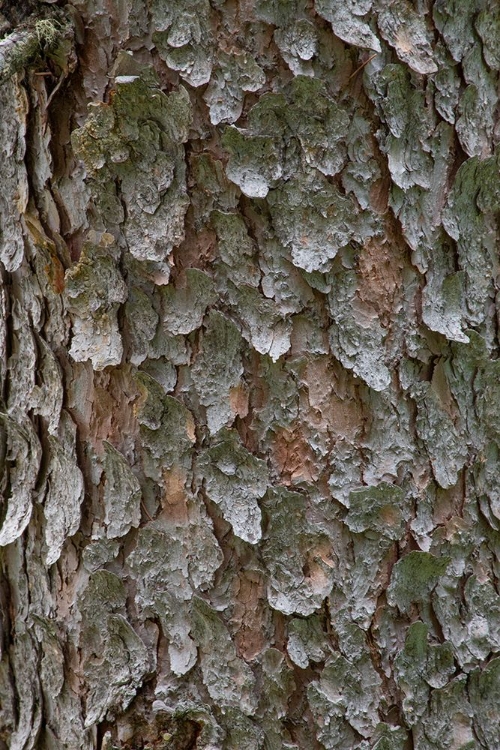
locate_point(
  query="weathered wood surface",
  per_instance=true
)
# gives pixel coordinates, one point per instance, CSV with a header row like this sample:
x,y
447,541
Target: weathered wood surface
x,y
250,387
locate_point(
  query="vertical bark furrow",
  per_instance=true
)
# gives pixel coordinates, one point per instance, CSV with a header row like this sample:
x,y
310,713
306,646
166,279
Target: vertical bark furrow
x,y
250,412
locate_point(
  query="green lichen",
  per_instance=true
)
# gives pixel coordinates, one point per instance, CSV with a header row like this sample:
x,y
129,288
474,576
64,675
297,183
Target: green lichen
x,y
414,577
47,33
33,44
235,480
301,586
184,305
166,428
217,369
378,509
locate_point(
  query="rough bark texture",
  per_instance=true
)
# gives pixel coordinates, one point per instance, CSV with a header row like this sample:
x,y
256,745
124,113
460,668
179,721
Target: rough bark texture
x,y
250,416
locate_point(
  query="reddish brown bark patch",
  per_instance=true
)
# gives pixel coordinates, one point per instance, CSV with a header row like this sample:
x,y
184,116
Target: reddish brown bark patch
x,y
250,614
293,457
380,276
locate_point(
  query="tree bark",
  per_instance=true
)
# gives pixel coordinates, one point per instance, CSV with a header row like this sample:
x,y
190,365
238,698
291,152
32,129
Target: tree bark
x,y
249,375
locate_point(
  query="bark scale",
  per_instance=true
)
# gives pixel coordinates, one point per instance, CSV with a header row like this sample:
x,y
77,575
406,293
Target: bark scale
x,y
249,376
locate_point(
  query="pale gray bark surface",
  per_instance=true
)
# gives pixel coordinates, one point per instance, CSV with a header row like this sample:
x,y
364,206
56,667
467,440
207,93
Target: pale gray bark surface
x,y
249,375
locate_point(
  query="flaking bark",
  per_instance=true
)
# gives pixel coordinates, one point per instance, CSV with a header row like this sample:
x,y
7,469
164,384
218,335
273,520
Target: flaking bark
x,y
249,375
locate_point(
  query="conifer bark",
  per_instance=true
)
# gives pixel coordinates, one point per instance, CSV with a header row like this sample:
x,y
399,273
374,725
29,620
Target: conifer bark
x,y
249,375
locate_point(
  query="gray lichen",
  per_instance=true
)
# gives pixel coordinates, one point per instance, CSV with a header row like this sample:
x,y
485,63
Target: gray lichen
x,y
113,677
235,480
217,369
302,585
94,291
249,376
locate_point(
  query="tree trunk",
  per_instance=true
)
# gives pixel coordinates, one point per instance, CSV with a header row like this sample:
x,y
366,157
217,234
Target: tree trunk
x,y
250,418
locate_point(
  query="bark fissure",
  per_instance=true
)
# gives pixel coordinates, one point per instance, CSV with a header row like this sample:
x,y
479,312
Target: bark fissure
x,y
249,435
